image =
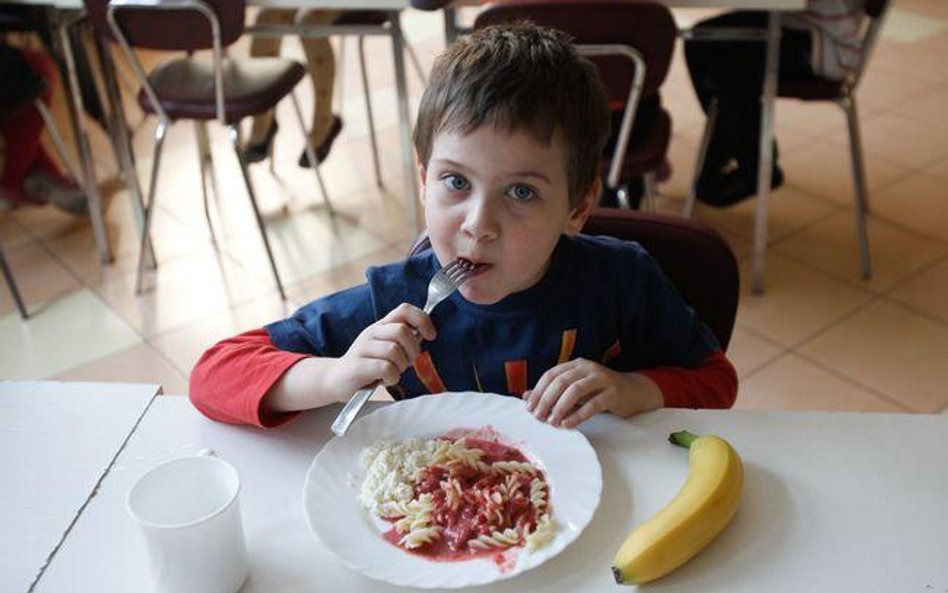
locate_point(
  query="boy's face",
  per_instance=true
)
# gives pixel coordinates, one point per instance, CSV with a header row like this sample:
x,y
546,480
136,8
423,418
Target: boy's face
x,y
499,199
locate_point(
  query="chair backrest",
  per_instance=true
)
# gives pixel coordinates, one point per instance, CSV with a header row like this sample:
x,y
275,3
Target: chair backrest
x,y
169,24
696,259
648,27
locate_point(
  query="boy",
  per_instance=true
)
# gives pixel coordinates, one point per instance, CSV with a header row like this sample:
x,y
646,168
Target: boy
x,y
509,137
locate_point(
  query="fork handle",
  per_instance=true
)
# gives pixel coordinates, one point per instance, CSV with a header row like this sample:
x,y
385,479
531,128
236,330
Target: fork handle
x,y
349,412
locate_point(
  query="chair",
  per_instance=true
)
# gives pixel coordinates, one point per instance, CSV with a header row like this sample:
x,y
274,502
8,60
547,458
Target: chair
x,y
191,88
696,259
841,92
11,284
631,42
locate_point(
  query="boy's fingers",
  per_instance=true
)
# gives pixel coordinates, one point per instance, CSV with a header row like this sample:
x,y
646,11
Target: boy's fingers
x,y
554,391
586,411
580,390
414,317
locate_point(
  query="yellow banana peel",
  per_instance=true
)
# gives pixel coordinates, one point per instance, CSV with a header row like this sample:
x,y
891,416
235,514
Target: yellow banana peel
x,y
703,507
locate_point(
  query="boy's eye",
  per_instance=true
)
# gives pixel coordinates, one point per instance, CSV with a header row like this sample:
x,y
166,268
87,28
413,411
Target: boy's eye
x,y
455,182
521,193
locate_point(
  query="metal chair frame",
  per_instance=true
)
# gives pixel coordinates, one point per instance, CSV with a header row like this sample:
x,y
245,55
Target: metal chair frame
x,y
164,122
847,102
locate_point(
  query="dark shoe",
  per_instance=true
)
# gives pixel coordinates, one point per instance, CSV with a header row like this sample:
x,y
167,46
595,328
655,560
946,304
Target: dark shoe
x,y
322,151
44,186
734,187
258,151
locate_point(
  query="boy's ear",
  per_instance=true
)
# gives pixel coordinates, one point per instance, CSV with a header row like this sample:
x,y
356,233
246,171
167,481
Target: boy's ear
x,y
583,208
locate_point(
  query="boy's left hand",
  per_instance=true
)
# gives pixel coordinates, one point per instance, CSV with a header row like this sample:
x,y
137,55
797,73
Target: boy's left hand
x,y
575,391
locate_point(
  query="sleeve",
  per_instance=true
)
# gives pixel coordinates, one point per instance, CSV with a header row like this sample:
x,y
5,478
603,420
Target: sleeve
x,y
712,384
230,380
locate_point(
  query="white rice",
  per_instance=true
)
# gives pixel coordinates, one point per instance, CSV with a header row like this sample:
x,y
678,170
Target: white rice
x,y
390,466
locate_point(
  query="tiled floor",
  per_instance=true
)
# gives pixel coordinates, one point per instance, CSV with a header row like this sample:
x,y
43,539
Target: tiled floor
x,y
819,338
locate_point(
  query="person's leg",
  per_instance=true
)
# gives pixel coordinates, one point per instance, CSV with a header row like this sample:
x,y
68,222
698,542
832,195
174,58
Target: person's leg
x,y
321,63
267,47
22,129
732,73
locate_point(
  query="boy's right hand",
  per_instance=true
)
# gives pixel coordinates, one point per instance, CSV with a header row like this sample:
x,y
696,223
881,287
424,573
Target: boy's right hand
x,y
385,349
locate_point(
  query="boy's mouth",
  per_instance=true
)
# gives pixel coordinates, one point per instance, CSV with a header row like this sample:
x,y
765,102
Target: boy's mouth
x,y
479,267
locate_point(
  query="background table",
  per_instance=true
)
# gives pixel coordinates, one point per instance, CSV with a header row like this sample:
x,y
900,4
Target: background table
x,y
58,440
833,502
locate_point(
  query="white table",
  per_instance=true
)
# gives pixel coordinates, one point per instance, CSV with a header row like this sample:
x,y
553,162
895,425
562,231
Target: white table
x,y
833,502
58,440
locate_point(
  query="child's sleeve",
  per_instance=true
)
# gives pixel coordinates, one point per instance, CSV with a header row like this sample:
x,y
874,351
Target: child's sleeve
x,y
230,380
713,384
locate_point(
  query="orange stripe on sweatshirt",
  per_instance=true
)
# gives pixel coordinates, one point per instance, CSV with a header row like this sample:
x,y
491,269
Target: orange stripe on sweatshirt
x,y
516,371
612,352
566,345
428,374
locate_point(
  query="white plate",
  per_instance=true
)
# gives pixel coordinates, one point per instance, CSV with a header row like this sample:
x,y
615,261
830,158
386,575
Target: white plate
x,y
336,475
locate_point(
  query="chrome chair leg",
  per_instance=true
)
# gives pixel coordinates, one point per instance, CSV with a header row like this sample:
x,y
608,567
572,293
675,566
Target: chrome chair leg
x,y
368,111
650,191
235,141
689,208
145,245
859,183
205,159
57,139
11,284
311,153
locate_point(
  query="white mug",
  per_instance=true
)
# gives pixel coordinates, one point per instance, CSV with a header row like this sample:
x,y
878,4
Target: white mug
x,y
189,513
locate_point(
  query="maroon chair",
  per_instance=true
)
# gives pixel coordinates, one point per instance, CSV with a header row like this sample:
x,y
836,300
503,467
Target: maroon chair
x,y
841,92
193,88
631,43
696,259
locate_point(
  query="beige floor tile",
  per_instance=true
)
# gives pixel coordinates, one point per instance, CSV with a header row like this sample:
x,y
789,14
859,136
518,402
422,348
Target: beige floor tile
x,y
61,334
831,245
798,301
184,290
928,108
750,352
138,364
794,383
901,140
38,275
927,292
890,91
790,211
939,168
891,350
825,170
11,233
918,202
303,245
185,345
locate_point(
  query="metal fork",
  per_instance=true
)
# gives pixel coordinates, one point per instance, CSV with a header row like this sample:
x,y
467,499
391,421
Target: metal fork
x,y
442,284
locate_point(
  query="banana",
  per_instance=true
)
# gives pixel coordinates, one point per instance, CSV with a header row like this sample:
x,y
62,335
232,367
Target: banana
x,y
702,508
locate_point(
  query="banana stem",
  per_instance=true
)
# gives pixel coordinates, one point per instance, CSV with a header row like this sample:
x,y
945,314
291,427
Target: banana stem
x,y
682,438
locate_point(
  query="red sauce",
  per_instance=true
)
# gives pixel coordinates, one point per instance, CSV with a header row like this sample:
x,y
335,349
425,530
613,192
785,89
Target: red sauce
x,y
482,508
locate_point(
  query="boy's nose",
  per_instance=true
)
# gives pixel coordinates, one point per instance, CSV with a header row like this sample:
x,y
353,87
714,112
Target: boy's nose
x,y
480,221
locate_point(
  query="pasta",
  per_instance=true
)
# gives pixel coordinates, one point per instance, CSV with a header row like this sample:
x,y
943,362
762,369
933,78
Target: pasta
x,y
457,497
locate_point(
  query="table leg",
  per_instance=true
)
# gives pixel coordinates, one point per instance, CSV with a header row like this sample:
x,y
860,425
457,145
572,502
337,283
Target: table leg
x,y
61,22
404,123
765,165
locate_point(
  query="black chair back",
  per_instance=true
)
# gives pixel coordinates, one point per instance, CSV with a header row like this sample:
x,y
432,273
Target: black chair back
x,y
149,25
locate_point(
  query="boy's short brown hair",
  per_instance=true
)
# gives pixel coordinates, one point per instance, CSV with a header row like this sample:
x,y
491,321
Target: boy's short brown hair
x,y
519,76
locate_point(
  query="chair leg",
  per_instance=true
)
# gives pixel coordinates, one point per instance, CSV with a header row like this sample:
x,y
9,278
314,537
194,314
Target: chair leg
x,y
145,246
650,191
415,62
859,183
57,139
235,141
689,208
11,283
311,153
205,160
368,111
